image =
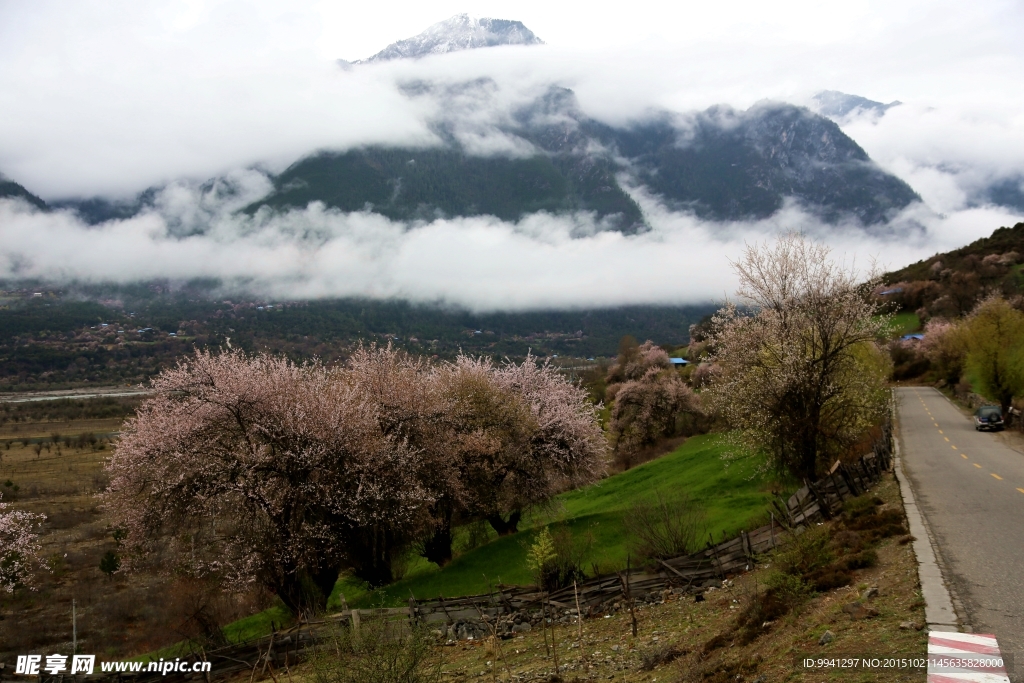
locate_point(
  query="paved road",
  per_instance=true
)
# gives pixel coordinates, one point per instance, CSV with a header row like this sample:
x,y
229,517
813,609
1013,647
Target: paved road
x,y
970,489
56,395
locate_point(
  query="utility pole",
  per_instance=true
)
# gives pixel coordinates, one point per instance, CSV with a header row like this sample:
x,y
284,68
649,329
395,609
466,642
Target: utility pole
x,y
74,630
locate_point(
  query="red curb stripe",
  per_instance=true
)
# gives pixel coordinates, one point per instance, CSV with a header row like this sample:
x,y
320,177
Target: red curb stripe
x,y
974,669
939,678
961,645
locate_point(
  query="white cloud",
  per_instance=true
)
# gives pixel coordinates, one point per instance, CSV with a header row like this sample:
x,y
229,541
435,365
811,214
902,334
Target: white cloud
x,y
480,263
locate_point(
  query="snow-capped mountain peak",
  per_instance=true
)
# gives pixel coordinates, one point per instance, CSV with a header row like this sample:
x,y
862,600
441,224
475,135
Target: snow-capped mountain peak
x,y
461,32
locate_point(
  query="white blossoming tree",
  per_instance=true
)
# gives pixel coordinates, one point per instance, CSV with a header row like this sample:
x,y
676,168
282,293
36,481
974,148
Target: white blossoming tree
x,y
799,371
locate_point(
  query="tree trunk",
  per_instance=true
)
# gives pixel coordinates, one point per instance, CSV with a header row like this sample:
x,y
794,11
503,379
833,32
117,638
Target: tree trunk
x,y
373,554
438,548
305,592
505,528
376,574
809,455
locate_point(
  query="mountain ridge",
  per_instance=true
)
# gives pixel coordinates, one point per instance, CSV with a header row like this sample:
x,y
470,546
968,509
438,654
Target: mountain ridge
x,y
720,164
13,190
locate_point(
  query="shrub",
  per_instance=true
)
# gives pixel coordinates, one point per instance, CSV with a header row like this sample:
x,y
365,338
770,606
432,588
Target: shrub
x,y
790,590
807,553
110,563
653,657
665,527
380,652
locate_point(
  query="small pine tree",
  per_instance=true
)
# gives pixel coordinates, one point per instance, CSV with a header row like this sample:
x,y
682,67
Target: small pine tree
x,y
541,554
110,563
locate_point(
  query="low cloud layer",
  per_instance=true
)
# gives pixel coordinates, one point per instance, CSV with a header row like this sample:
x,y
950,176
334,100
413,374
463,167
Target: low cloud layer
x,y
542,261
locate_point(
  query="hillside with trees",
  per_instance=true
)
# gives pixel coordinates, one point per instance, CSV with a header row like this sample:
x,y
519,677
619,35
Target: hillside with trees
x,y
950,284
970,305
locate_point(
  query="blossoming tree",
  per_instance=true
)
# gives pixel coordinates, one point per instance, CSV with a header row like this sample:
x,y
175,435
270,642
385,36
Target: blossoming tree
x,y
524,433
258,469
650,397
799,371
19,547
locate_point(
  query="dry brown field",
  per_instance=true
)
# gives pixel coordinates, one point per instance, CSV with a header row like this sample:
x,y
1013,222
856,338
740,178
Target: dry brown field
x,y
115,616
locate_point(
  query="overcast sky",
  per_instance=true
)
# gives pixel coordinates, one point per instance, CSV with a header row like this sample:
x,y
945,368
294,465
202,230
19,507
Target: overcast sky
x,y
113,97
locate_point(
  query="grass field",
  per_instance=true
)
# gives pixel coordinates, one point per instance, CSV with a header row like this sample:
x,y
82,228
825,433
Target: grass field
x,y
62,481
732,492
34,431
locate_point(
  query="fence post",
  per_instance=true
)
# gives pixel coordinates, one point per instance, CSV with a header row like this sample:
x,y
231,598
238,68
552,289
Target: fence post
x,y
823,507
848,478
714,554
832,478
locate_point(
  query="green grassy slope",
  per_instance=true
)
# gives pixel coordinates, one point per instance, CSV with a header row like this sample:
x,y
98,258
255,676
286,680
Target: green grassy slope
x,y
732,492
904,322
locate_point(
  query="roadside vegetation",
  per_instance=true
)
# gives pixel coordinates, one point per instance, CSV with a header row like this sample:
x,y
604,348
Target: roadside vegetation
x,y
971,306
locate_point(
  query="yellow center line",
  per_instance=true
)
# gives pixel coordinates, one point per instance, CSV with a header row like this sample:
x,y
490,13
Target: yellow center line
x,y
940,431
951,445
963,455
977,465
996,476
1021,490
946,438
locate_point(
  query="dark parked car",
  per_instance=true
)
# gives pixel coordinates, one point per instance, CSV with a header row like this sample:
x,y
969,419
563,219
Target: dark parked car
x,y
988,417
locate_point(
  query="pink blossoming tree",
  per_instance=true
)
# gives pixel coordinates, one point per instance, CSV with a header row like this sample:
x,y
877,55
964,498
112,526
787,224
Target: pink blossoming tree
x,y
19,547
258,469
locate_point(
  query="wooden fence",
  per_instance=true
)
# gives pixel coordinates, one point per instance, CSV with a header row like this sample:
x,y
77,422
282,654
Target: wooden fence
x,y
813,502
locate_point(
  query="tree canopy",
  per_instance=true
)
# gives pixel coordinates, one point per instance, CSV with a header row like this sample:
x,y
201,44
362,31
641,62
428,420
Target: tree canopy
x,y
258,469
799,371
995,350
